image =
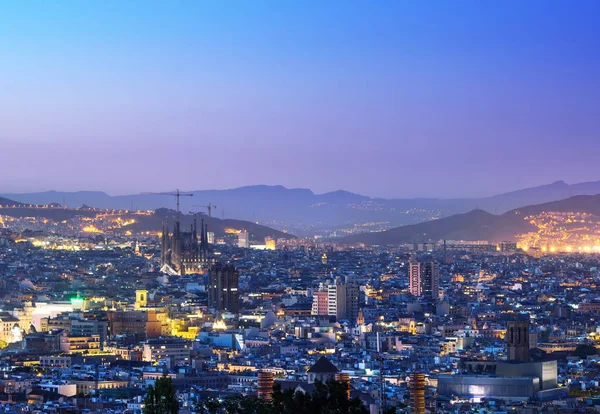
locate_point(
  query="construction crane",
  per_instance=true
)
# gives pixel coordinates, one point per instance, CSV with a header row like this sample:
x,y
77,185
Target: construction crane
x,y
177,194
209,208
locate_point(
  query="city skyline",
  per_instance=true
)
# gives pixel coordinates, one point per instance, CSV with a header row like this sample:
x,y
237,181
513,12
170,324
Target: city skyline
x,y
310,207
397,100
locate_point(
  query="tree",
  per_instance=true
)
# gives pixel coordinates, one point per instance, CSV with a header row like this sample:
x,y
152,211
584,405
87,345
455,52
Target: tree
x,y
161,398
583,350
234,405
326,398
209,406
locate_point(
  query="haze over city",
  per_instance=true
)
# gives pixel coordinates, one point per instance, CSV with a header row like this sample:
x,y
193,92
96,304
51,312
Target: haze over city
x,y
394,99
300,207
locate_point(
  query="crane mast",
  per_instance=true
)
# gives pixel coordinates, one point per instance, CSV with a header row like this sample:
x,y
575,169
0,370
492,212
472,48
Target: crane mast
x,y
175,194
209,208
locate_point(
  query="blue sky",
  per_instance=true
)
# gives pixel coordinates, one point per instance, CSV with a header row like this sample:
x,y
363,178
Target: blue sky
x,y
385,98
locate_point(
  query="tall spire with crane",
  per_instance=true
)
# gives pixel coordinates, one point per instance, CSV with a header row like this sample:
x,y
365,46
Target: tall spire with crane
x,y
209,208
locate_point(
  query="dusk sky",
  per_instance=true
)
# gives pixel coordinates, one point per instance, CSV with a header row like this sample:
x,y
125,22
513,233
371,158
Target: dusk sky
x,y
384,98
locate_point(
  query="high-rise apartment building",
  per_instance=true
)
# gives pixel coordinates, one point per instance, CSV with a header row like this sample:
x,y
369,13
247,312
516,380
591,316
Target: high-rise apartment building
x,y
243,240
336,299
352,300
343,299
320,305
223,288
424,279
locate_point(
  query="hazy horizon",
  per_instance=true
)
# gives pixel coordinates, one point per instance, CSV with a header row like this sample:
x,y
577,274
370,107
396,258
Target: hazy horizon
x,y
113,194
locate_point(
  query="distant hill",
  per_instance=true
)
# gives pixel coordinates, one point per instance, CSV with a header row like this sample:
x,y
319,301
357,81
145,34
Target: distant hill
x,y
144,223
71,199
155,222
55,214
581,204
476,224
6,202
300,209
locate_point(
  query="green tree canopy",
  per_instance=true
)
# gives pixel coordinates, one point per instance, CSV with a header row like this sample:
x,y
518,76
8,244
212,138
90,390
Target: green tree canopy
x,y
326,398
161,398
583,350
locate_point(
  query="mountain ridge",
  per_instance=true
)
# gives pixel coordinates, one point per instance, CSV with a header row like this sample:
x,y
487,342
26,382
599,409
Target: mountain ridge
x,y
276,205
477,224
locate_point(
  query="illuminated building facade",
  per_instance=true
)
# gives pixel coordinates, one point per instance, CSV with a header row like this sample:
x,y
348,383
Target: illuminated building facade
x,y
343,299
80,344
174,349
7,325
141,299
337,299
477,387
417,393
270,243
424,279
320,303
265,385
144,324
243,240
181,252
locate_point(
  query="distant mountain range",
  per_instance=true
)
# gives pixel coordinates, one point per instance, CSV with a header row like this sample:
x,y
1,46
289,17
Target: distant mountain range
x,y
302,210
476,224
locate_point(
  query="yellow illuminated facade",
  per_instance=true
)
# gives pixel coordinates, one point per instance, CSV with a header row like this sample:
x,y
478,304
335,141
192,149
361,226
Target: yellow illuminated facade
x,y
141,299
270,243
91,229
219,325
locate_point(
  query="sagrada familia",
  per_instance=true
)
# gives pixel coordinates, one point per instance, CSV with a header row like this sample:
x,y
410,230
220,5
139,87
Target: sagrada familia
x,y
180,252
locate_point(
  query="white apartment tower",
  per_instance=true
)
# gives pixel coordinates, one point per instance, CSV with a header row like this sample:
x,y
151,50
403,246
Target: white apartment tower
x,y
243,240
343,299
424,279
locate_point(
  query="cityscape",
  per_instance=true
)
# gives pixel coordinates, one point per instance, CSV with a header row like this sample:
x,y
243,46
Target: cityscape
x,y
300,207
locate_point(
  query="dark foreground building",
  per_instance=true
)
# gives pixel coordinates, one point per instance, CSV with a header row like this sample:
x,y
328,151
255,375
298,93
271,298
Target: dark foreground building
x,y
223,288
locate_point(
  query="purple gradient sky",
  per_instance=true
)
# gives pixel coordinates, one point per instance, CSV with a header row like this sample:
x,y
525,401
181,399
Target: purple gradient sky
x,y
388,98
